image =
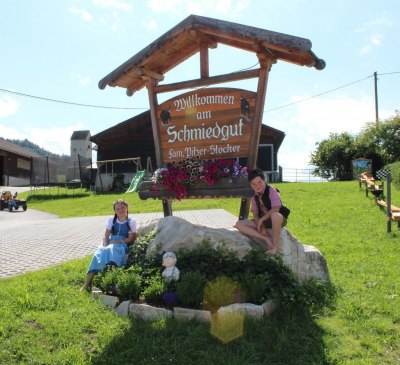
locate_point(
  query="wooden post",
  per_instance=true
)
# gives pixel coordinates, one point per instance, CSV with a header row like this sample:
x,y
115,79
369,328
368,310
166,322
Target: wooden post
x,y
266,63
153,116
166,203
389,203
204,65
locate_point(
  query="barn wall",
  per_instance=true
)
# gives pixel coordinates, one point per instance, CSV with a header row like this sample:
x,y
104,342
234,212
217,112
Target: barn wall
x,y
134,138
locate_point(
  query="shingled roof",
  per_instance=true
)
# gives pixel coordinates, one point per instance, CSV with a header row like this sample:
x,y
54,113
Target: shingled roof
x,y
16,149
186,39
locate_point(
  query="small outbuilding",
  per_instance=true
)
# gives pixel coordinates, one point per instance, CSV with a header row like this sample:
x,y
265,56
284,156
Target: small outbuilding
x,y
15,164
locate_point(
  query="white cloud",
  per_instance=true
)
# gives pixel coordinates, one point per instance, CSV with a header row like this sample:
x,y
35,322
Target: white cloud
x,y
56,140
230,8
84,80
116,4
150,25
313,120
84,14
375,41
8,106
381,21
320,117
10,133
166,6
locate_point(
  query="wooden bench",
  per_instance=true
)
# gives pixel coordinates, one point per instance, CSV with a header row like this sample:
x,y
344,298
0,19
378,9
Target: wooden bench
x,y
383,204
370,184
364,177
394,211
225,188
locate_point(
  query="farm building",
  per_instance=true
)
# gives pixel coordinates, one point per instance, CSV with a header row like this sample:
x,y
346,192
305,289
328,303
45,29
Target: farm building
x,y
15,164
133,138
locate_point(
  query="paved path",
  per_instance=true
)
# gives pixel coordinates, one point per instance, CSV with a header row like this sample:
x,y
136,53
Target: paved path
x,y
34,240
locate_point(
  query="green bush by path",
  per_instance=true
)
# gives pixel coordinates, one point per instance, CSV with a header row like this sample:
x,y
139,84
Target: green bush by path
x,y
45,320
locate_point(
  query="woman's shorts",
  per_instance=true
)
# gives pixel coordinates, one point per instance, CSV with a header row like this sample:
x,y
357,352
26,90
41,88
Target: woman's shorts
x,y
268,223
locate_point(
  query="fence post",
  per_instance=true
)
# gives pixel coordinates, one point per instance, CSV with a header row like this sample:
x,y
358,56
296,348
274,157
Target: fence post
x,y
389,203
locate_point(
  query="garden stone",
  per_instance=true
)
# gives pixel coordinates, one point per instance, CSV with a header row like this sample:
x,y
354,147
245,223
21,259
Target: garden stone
x,y
123,309
147,312
109,300
305,261
245,309
146,227
96,293
269,306
174,233
187,314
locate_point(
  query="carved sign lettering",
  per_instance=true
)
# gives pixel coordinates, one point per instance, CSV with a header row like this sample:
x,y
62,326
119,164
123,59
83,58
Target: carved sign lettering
x,y
208,123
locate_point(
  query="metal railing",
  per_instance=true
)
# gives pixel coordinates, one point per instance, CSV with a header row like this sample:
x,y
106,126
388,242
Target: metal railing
x,y
299,175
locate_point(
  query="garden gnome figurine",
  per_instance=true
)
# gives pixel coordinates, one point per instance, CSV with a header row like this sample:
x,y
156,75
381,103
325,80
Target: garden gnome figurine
x,y
171,272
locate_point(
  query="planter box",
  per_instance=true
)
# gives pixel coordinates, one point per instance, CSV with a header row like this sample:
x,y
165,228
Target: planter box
x,y
226,187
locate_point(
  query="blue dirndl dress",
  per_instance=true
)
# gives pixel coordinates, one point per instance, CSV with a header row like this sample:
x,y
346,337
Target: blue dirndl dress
x,y
111,254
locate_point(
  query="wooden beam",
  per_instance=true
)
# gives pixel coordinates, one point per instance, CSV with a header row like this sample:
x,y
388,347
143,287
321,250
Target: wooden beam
x,y
154,125
135,159
235,76
143,71
204,65
266,64
223,34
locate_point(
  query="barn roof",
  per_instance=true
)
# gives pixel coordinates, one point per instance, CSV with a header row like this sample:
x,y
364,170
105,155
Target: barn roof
x,y
142,118
16,149
186,39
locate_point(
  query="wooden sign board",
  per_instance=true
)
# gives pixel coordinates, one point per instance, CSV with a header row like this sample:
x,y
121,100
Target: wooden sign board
x,y
209,124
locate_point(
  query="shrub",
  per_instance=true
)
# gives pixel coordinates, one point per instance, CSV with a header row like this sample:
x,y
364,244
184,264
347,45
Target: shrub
x,y
128,284
255,288
210,261
107,280
220,292
137,251
153,293
190,288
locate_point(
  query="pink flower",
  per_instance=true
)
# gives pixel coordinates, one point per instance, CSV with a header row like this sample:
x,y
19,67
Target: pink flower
x,y
179,175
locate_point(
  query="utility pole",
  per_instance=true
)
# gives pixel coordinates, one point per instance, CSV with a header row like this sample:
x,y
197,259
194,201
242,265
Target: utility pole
x,y
376,99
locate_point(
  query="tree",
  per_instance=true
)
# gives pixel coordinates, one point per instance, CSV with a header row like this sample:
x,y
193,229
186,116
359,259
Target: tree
x,y
389,136
367,145
333,157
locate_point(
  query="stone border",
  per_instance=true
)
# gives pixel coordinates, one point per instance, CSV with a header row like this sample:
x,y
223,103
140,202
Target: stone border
x,y
149,313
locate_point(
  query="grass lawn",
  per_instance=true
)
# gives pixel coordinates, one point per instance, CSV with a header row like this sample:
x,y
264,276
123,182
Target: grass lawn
x,y
45,320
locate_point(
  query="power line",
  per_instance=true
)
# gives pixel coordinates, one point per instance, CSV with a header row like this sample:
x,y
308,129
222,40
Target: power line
x,y
389,73
124,108
314,96
67,102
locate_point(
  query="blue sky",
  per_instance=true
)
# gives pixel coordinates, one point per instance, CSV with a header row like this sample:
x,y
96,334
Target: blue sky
x,y
61,49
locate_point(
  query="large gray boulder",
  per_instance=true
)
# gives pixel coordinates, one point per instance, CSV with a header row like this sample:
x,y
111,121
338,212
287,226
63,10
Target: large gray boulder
x,y
174,233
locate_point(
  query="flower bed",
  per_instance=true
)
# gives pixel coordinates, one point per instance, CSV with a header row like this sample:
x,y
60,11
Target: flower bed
x,y
177,177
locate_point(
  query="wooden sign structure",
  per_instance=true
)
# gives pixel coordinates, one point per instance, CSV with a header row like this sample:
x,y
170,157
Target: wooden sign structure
x,y
197,34
207,124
